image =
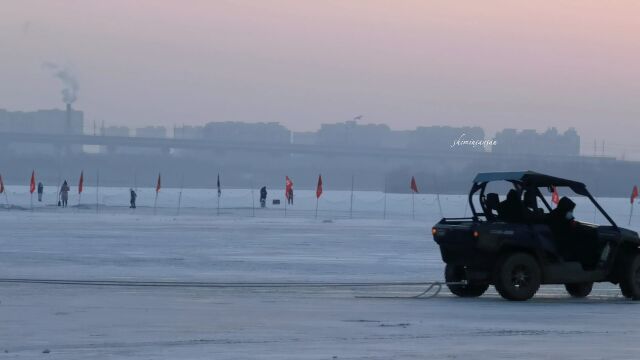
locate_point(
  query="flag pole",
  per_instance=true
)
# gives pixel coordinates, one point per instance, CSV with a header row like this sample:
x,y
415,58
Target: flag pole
x,y
155,204
413,204
351,200
318,193
180,195
594,208
384,212
219,193
466,205
634,195
80,188
97,191
438,196
79,200
155,201
253,201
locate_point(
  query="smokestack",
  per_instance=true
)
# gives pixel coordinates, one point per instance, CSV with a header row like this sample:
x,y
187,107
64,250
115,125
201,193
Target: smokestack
x,y
68,131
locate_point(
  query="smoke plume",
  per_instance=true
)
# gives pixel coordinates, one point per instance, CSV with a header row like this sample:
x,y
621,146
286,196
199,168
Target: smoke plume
x,y
69,81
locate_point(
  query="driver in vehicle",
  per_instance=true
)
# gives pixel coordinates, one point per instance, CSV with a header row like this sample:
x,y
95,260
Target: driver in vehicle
x,y
511,209
491,203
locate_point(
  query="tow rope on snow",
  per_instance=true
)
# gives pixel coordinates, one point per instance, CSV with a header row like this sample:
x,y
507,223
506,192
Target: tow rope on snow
x,y
437,285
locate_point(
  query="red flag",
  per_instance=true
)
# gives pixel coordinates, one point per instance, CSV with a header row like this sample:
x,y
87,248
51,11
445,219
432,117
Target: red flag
x,y
158,184
555,198
288,187
634,194
319,187
81,182
32,187
1,185
414,186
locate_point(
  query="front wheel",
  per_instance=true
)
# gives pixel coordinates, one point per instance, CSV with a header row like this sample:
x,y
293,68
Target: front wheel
x,y
630,277
580,290
457,273
517,276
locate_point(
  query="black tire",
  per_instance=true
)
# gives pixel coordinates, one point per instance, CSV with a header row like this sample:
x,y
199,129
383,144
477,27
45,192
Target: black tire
x,y
630,277
456,273
517,276
579,290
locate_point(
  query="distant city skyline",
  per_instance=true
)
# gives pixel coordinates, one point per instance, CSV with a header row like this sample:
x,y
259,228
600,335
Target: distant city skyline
x,y
493,64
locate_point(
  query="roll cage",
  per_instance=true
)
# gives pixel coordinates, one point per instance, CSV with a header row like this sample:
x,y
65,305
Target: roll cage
x,y
528,180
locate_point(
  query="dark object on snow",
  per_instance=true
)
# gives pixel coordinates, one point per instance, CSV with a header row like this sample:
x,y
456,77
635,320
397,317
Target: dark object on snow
x,y
275,202
132,199
525,246
263,196
40,191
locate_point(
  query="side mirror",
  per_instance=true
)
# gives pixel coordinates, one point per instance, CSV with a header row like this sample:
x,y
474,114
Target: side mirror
x,y
550,188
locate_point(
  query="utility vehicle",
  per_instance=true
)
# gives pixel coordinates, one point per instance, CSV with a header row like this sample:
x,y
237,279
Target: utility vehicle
x,y
517,245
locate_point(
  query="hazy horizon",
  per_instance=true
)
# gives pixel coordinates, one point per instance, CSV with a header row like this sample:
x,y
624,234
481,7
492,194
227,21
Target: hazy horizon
x,y
494,64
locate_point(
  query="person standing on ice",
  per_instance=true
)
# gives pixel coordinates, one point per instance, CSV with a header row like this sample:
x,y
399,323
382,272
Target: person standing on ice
x,y
288,190
132,199
290,196
40,191
263,196
64,193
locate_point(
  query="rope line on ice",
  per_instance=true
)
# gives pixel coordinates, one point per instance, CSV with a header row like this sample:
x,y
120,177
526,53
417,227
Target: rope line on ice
x,y
437,285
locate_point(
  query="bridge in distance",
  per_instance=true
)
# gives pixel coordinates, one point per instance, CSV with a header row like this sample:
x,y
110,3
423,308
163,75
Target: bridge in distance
x,y
167,144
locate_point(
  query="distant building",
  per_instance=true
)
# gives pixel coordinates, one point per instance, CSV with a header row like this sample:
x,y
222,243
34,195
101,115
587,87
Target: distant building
x,y
304,137
114,131
240,132
188,132
158,132
352,134
121,131
42,122
447,139
550,142
432,138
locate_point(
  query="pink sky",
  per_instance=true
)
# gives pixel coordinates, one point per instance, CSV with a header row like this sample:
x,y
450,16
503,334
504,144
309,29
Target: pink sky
x,y
495,64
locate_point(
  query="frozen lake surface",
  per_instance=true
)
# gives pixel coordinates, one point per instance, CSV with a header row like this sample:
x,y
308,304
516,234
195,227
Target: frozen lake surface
x,y
262,245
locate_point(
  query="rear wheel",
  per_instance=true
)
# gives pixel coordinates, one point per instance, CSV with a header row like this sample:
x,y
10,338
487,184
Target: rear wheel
x,y
517,276
457,273
630,277
579,290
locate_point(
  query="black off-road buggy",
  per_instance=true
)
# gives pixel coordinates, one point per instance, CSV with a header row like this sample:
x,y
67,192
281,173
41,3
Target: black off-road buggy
x,y
517,246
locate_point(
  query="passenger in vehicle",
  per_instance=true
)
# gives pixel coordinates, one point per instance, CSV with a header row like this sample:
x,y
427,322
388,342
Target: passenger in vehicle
x,y
531,210
560,221
491,204
511,208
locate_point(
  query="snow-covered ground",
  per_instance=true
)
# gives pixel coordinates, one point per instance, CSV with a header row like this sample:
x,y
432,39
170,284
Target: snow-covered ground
x,y
262,245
